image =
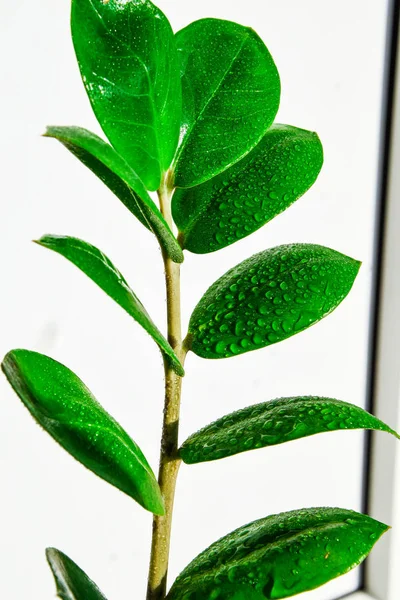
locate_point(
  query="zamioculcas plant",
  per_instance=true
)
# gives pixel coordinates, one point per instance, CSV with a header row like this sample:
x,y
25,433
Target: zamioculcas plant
x,y
191,116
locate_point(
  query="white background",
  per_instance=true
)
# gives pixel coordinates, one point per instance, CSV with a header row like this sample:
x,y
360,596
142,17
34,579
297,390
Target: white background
x,y
330,57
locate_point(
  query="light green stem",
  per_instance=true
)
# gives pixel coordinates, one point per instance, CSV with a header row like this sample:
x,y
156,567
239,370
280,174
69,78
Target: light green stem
x,y
169,460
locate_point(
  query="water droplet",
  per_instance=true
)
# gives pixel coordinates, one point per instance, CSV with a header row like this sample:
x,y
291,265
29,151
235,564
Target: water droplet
x,y
257,339
220,348
239,328
276,325
248,443
273,338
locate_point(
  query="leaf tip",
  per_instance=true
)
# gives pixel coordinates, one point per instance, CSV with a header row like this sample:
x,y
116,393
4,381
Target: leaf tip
x,y
46,240
49,132
8,364
51,555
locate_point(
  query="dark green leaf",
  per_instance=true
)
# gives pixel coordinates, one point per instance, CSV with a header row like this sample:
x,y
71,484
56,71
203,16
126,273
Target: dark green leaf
x,y
275,422
231,93
280,556
231,206
71,582
129,64
268,298
118,176
100,269
61,403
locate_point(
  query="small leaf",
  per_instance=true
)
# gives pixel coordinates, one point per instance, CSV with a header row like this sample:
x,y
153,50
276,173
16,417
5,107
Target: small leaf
x,y
231,206
61,403
275,422
129,64
100,269
268,298
231,93
280,556
118,176
71,582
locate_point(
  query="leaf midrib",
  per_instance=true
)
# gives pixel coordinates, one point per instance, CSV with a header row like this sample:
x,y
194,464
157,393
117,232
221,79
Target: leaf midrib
x,y
212,96
252,555
146,70
203,208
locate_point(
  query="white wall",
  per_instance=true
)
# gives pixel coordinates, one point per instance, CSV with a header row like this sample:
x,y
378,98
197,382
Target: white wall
x,y
330,57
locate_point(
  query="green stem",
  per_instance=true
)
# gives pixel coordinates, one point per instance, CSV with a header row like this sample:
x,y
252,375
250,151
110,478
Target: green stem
x,y
169,460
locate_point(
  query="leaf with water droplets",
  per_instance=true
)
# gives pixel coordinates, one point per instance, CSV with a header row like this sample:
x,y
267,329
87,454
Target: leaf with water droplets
x,y
128,59
72,583
280,556
101,270
121,179
61,403
275,422
268,298
231,206
231,93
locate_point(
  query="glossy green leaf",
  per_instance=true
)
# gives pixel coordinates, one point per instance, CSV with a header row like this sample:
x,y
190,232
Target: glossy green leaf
x,y
231,206
71,582
268,298
279,556
118,176
61,403
275,422
231,93
100,269
128,59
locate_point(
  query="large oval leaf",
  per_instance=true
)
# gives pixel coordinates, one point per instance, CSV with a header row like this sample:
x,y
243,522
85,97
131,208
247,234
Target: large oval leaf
x,y
129,64
118,176
71,582
279,556
268,298
61,403
101,270
231,206
231,93
275,422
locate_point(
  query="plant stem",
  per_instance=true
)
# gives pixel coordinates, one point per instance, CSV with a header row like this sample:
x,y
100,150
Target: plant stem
x,y
169,460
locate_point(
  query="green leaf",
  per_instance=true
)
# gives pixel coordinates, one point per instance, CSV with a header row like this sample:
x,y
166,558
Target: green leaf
x,y
71,582
61,403
118,176
280,556
275,422
231,206
129,64
100,269
268,298
231,93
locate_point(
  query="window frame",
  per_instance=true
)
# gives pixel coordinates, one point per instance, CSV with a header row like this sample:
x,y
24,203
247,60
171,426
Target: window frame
x,y
380,579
